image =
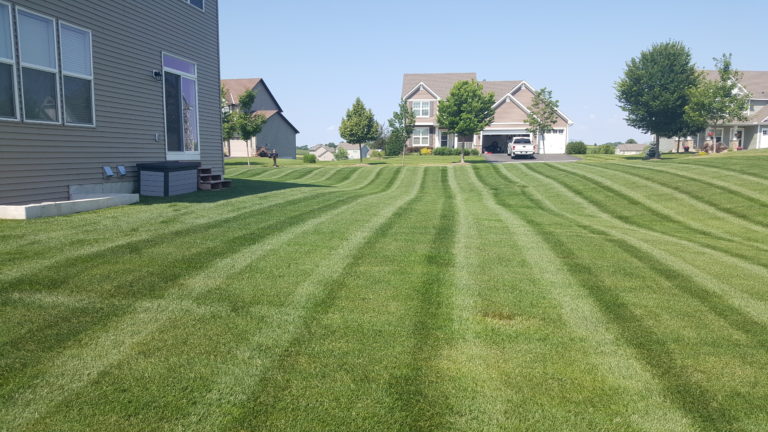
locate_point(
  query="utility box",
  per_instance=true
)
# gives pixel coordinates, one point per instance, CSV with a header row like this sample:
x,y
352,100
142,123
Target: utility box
x,y
163,179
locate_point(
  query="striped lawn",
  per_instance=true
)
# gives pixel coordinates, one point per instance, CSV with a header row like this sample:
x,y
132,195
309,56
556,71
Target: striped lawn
x,y
610,295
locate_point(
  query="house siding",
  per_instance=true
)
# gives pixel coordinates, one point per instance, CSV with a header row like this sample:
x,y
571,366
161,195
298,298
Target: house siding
x,y
278,134
40,162
263,100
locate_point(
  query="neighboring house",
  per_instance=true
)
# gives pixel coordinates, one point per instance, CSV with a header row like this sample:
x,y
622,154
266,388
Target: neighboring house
x,y
630,149
747,135
277,133
353,150
513,99
87,84
323,153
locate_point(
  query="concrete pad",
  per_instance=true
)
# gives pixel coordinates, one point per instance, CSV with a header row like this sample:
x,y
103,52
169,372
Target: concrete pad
x,y
82,203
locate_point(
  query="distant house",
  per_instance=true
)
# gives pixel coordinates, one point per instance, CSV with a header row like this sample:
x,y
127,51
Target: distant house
x,y
278,133
353,150
746,135
423,92
630,149
323,153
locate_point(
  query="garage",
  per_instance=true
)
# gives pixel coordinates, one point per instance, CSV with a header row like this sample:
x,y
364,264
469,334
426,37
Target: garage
x,y
495,141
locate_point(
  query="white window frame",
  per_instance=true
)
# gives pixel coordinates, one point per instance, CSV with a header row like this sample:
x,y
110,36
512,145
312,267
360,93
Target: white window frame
x,y
420,137
23,65
14,69
74,75
419,113
182,155
190,3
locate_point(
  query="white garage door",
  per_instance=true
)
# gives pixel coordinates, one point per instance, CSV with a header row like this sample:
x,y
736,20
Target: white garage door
x,y
554,142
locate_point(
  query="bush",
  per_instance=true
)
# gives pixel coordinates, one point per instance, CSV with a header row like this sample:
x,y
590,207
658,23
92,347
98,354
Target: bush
x,y
341,154
411,150
376,154
394,145
576,147
602,149
309,158
425,151
442,151
475,152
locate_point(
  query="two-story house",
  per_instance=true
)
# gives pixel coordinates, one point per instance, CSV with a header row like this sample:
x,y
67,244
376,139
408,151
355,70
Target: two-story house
x,y
513,99
277,133
87,85
746,135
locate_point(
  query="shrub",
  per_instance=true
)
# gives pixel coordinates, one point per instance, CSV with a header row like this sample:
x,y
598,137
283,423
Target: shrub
x,y
309,158
602,149
376,154
576,147
440,151
474,152
425,151
341,154
411,150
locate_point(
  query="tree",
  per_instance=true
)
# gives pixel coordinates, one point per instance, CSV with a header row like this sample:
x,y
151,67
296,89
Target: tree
x,y
543,114
359,126
401,128
717,102
631,141
341,154
228,127
656,89
466,111
381,141
248,124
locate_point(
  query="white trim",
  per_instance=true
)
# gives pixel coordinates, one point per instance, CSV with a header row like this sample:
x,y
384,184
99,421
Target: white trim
x,y
14,67
419,86
509,98
182,155
78,76
23,65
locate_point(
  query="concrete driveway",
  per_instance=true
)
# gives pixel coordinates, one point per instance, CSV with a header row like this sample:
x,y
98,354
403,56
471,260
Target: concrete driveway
x,y
503,158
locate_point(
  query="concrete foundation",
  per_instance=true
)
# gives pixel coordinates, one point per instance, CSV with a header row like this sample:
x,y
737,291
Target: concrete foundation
x,y
79,203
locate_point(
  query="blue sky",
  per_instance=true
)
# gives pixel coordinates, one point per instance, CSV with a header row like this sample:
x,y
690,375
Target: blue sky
x,y
317,56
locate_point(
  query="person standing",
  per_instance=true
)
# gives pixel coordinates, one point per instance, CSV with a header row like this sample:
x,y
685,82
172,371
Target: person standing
x,y
274,155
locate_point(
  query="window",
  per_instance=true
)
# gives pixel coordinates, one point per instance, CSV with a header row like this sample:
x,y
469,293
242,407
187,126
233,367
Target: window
x,y
443,139
8,105
557,131
421,108
182,135
200,4
39,68
765,131
420,137
77,72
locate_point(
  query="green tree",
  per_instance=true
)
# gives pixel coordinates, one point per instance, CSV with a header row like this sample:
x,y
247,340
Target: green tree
x,y
401,128
247,123
543,114
631,141
656,89
466,111
228,127
359,126
717,102
341,154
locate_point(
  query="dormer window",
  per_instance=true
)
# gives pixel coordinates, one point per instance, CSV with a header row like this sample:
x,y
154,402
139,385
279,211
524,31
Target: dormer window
x,y
421,108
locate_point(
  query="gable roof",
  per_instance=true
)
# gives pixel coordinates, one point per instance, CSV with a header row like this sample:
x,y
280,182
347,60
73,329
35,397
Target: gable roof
x,y
500,88
236,87
761,116
755,82
631,147
438,83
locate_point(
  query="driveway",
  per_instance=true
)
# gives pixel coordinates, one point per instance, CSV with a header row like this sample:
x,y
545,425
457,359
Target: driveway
x,y
503,158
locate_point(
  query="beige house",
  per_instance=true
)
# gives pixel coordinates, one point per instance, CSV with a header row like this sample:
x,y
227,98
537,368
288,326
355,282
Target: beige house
x,y
353,150
630,149
747,135
277,133
513,99
323,153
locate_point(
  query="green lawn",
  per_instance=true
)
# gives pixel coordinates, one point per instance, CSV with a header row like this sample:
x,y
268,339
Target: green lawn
x,y
615,295
410,160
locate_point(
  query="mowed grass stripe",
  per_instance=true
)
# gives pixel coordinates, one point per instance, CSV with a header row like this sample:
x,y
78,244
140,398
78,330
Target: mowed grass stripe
x,y
162,267
722,215
73,369
634,390
367,348
689,392
748,295
80,239
644,213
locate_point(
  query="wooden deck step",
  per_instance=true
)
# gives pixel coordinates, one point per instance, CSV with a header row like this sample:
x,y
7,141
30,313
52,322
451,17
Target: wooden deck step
x,y
207,180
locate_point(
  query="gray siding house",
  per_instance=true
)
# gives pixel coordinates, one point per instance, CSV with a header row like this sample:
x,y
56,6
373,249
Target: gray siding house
x,y
277,133
91,83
